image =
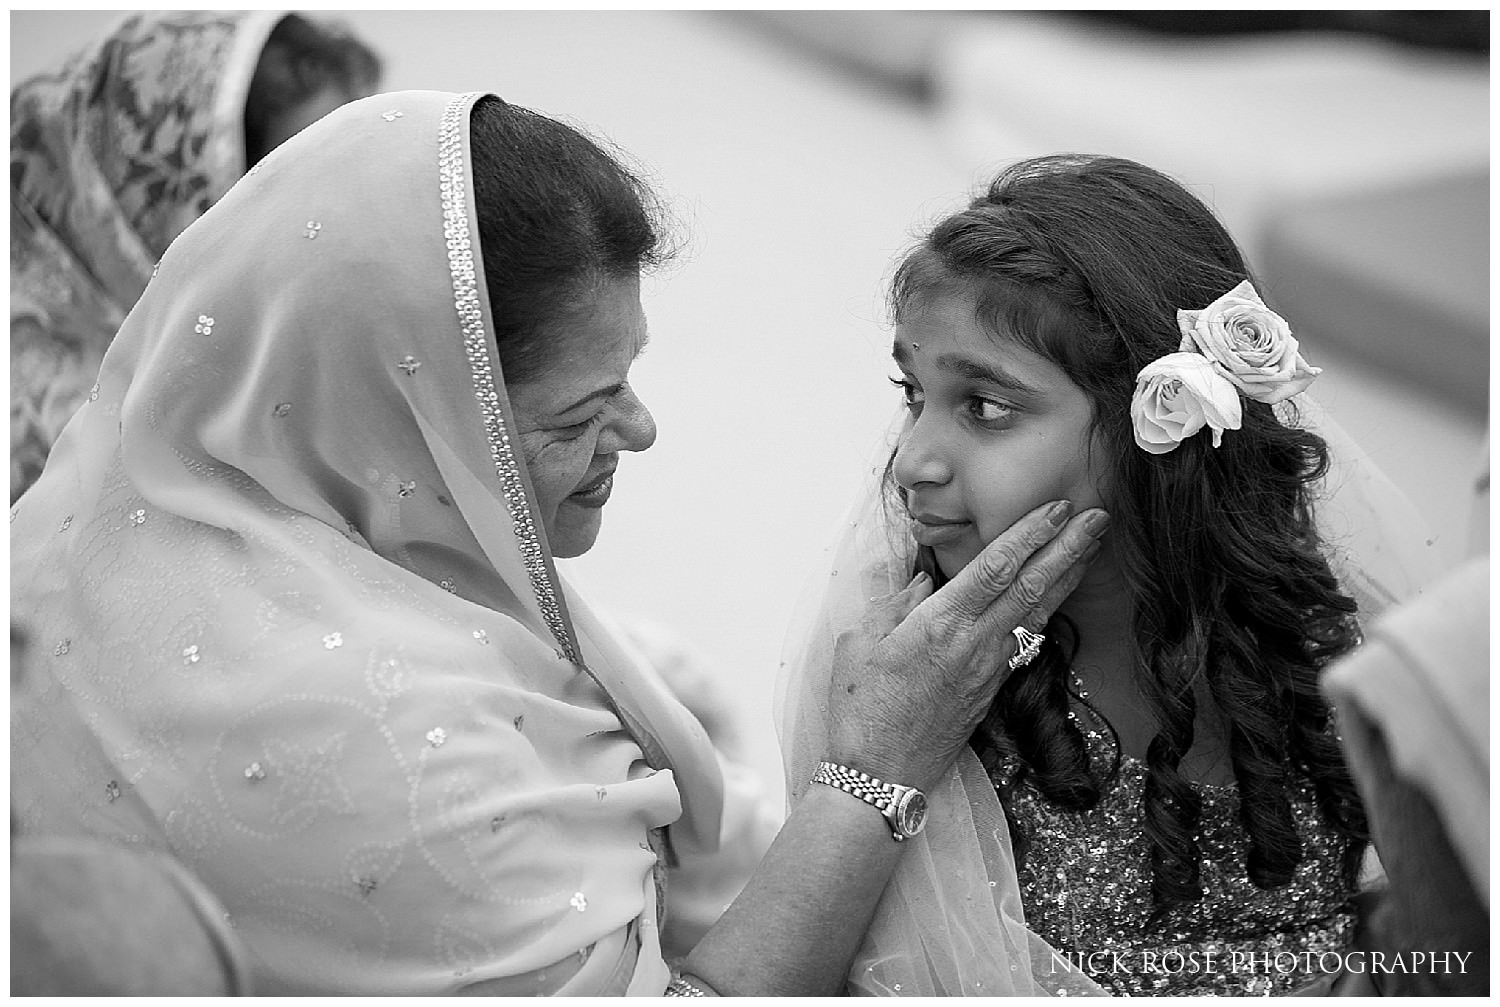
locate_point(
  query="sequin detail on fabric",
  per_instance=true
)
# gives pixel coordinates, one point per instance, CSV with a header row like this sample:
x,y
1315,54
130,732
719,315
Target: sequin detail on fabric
x,y
454,189
1086,888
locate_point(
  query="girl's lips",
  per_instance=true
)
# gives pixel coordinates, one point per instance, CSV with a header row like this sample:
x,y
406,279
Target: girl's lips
x,y
938,533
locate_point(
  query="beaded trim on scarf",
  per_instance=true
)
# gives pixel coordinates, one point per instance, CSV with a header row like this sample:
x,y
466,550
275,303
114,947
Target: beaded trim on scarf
x,y
454,191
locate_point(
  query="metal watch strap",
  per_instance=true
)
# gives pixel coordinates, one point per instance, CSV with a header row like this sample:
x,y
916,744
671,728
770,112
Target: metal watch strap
x,y
905,808
684,987
867,788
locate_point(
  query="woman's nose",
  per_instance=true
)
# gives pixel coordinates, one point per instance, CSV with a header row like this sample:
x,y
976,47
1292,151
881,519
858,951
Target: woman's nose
x,y
920,458
633,428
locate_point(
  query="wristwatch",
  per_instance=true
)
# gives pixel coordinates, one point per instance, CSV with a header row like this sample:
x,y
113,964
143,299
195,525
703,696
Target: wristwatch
x,y
904,807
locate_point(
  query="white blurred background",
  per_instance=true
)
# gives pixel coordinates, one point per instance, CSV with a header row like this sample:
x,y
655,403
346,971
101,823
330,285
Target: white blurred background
x,y
804,150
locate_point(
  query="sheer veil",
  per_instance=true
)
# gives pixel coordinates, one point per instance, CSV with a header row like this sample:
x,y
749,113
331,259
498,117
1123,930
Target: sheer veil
x,y
1377,541
951,920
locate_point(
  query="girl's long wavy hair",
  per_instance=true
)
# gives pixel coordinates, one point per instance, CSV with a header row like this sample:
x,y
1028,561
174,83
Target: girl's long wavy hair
x,y
1085,261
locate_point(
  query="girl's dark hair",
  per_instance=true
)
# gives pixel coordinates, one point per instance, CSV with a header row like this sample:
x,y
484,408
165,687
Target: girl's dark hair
x,y
302,57
1085,261
557,215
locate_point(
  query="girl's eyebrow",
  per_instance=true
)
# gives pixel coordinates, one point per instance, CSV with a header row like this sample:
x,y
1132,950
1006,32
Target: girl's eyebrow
x,y
965,366
980,370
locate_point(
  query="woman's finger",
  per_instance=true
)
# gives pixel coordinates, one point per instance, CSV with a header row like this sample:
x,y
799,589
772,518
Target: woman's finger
x,y
1036,620
1047,578
906,601
890,611
978,585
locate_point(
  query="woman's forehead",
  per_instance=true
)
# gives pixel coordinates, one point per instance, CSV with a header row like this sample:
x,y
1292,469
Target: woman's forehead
x,y
592,349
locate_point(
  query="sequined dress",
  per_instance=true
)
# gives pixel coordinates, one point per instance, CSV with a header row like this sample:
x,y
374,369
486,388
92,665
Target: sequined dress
x,y
1086,887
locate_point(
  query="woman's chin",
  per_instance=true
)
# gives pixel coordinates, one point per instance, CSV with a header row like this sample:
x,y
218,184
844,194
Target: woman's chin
x,y
574,530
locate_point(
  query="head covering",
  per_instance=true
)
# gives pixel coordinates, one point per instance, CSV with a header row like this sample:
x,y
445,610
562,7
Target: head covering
x,y
285,576
951,921
111,157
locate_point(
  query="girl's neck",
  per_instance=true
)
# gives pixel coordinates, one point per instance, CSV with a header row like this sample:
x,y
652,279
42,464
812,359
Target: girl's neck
x,y
1104,667
1100,607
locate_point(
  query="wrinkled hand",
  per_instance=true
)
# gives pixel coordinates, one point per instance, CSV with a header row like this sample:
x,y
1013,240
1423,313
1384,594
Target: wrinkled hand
x,y
911,683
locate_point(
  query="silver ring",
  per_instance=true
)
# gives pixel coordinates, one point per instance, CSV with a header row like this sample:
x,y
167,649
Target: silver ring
x,y
1030,644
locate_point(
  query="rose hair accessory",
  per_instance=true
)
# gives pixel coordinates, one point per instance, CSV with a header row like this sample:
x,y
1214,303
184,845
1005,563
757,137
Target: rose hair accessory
x,y
1234,346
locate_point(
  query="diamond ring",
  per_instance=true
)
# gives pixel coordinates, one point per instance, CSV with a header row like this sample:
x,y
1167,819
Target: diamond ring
x,y
1030,644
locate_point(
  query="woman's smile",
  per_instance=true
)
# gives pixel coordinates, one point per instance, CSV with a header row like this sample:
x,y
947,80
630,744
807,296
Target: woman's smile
x,y
594,493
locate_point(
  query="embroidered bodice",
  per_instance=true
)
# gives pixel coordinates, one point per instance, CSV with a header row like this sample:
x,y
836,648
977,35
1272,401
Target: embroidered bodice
x,y
1086,887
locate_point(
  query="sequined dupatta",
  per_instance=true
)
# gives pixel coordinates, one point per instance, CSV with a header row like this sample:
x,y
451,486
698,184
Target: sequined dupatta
x,y
312,623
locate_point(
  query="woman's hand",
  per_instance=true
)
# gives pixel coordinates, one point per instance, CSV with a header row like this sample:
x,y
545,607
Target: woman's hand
x,y
911,684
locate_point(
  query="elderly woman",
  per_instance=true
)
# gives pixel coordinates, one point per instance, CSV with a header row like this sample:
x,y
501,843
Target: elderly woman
x,y
291,573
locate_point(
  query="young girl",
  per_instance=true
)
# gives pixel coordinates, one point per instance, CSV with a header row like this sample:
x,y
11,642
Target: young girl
x,y
1159,791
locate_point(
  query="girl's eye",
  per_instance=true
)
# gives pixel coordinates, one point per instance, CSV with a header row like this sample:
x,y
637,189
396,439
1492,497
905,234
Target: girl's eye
x,y
988,411
909,392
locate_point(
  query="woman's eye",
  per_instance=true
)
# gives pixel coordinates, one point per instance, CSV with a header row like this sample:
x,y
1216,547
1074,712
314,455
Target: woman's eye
x,y
989,411
577,430
909,392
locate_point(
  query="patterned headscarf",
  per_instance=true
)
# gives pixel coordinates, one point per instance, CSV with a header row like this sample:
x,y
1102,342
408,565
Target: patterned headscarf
x,y
111,157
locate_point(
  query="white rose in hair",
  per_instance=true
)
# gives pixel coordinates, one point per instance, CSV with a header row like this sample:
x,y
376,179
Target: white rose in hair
x,y
1178,395
1252,344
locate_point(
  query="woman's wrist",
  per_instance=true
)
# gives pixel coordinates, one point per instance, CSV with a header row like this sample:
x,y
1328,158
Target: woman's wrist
x,y
903,771
795,927
903,807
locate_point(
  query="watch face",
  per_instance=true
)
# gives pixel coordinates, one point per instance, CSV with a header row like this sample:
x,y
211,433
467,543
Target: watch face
x,y
911,815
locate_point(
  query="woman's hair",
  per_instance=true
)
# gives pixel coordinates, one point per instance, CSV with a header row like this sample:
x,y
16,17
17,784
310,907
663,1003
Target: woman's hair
x,y
301,58
1085,261
557,216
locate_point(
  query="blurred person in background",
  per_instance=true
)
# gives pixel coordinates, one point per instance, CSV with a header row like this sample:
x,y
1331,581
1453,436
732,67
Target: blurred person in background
x,y
116,152
1414,706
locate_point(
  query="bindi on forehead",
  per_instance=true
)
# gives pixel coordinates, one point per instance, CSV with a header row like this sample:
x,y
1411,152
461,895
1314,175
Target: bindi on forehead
x,y
971,366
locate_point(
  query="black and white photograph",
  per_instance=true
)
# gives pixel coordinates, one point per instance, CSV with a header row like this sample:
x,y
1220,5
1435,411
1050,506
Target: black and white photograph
x,y
749,503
